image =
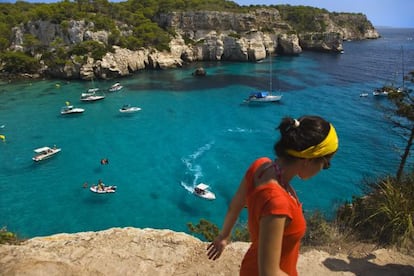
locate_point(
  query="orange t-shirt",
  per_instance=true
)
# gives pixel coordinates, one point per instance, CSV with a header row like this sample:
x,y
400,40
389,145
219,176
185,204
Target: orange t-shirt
x,y
272,199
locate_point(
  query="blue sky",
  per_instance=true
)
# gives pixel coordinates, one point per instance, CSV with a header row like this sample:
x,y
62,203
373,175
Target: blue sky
x,y
391,13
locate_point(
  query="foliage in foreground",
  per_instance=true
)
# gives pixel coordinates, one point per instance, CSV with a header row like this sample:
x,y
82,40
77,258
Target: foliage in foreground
x,y
319,231
208,231
7,237
386,215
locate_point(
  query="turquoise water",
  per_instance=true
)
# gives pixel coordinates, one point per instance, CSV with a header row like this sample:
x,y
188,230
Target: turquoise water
x,y
189,130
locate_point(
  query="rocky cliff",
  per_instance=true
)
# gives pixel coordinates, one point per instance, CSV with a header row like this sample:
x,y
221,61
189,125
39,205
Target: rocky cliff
x,y
198,36
131,251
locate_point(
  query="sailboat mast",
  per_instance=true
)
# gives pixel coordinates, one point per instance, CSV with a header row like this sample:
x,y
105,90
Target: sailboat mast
x,y
270,70
402,61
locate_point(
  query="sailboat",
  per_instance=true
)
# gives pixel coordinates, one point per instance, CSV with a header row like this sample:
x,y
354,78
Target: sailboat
x,y
264,96
402,88
386,89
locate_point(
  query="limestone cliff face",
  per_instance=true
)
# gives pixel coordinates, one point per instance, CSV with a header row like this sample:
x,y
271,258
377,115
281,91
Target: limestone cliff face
x,y
200,36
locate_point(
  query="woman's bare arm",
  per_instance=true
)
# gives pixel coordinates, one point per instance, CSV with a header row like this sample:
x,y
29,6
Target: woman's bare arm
x,y
270,245
237,203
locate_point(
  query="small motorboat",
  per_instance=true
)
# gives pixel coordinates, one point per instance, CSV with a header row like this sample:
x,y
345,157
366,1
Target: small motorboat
x,y
129,109
363,95
116,87
202,190
380,92
70,109
45,153
103,189
91,97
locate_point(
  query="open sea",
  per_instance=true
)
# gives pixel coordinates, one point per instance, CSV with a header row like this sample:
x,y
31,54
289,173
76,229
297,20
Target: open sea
x,y
190,130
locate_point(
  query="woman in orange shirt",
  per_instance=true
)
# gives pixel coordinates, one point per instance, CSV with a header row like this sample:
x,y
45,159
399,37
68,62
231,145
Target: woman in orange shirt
x,y
275,218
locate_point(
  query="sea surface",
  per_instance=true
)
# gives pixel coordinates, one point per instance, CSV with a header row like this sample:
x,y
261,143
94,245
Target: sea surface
x,y
190,130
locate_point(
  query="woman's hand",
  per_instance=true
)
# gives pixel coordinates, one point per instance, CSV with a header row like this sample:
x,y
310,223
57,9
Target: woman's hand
x,y
216,247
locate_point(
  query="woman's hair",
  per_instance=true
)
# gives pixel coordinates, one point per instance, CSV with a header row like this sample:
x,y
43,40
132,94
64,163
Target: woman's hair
x,y
299,134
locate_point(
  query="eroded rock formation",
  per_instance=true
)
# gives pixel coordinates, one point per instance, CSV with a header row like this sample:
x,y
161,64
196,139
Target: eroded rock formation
x,y
200,36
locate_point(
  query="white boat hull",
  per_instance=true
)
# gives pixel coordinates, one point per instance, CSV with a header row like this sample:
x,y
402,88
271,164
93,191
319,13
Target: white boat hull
x,y
46,154
207,195
106,189
267,99
71,110
202,190
92,98
129,110
380,93
115,87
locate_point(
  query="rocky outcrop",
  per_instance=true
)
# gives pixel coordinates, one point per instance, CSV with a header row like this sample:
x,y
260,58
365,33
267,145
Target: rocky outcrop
x,y
325,42
232,36
132,251
289,44
200,36
127,251
200,72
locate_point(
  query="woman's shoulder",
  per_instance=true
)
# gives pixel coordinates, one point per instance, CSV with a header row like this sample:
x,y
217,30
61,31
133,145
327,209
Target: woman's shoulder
x,y
251,171
255,165
260,161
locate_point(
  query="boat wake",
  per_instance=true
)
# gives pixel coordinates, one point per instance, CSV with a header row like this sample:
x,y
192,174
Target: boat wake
x,y
240,130
194,170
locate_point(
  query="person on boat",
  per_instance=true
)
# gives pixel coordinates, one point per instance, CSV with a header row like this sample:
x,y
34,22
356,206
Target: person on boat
x,y
101,186
126,106
199,191
275,217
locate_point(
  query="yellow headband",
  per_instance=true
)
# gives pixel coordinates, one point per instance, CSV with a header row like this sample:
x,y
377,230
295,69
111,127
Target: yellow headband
x,y
327,146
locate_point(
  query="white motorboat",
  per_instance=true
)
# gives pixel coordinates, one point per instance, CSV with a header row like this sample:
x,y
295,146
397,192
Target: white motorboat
x,y
103,189
116,87
380,92
70,109
90,97
129,109
202,190
263,97
45,153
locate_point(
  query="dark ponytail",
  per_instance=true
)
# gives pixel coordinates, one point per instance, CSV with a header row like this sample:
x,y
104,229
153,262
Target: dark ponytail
x,y
300,134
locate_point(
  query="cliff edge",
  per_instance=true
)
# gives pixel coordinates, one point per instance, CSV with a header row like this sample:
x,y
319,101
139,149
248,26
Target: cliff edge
x,y
132,251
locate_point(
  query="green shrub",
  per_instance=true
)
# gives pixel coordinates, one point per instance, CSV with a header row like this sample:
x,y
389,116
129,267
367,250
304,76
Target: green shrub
x,y
7,237
15,62
209,231
90,47
204,228
385,215
318,230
